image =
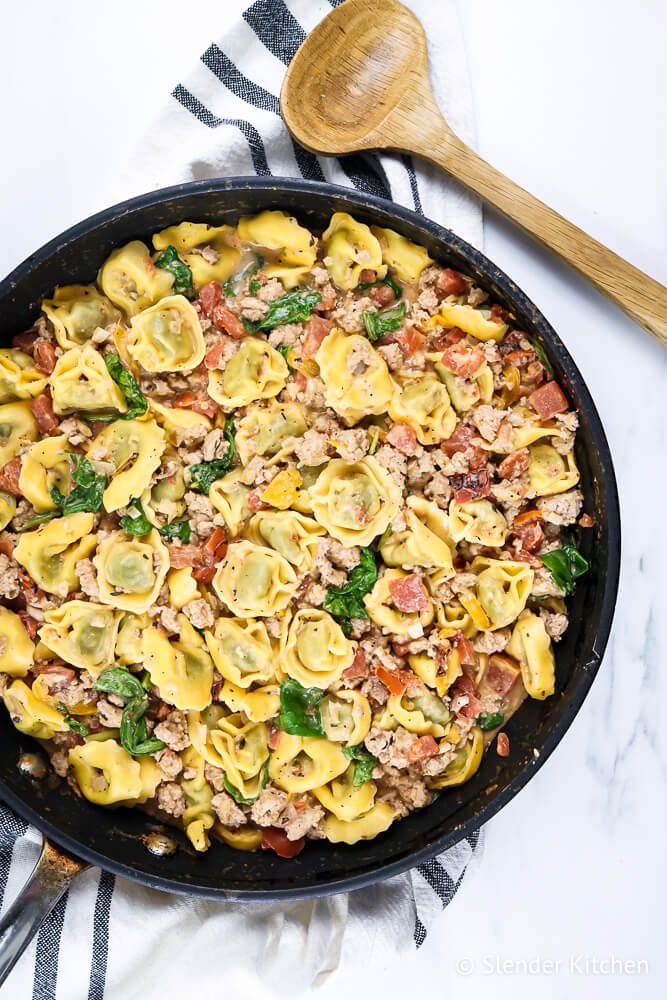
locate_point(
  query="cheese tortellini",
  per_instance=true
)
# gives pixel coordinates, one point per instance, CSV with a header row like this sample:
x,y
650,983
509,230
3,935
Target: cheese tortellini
x,y
16,647
425,541
356,378
256,371
502,588
350,247
478,522
82,633
19,379
45,465
51,552
356,501
314,650
220,259
76,312
130,571
17,428
107,774
382,610
242,651
130,279
267,430
182,670
254,581
291,246
134,449
406,260
167,337
80,382
293,535
425,407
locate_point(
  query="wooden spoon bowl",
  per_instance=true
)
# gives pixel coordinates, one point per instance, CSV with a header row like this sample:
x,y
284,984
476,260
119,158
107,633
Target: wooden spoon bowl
x,y
360,81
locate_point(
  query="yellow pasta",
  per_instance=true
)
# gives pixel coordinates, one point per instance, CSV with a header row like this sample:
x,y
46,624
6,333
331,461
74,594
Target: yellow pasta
x,y
76,312
356,378
355,502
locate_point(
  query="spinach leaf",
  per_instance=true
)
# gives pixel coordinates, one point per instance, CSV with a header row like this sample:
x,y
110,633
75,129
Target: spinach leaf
x,y
374,434
345,602
119,681
299,709
134,732
254,286
565,564
379,323
88,489
387,280
170,261
491,720
231,286
74,724
284,349
137,404
364,762
235,793
33,522
292,307
539,350
139,525
204,474
176,529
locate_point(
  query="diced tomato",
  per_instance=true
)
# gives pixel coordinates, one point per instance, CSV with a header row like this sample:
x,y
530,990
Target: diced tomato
x,y
357,668
181,556
210,296
200,402
409,339
366,275
526,516
549,400
212,551
459,440
6,544
408,593
450,282
273,738
25,341
213,355
9,477
520,358
499,314
42,409
503,745
30,624
586,521
448,338
531,535
318,329
396,681
256,503
301,381
463,360
423,748
276,840
465,649
224,319
399,648
403,438
57,675
45,356
470,485
501,673
382,296
327,302
514,464
464,686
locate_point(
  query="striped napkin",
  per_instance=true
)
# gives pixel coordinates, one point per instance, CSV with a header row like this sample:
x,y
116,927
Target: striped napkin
x,y
111,938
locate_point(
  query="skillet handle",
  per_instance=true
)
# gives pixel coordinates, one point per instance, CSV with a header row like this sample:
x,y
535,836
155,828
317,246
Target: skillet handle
x,y
50,878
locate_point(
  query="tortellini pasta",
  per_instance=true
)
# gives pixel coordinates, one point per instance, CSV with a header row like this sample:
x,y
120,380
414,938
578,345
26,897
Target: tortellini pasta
x,y
17,428
217,263
50,552
76,312
45,465
407,260
550,472
260,704
477,322
31,715
266,430
425,714
302,763
256,371
254,581
355,501
343,799
478,522
167,337
82,633
425,407
229,495
131,280
16,647
293,535
293,248
134,449
366,827
425,540
130,571
531,646
108,775
19,379
465,393
80,381
182,670
314,650
129,638
502,588
350,247
198,816
346,716
178,423
465,763
381,609
356,378
242,651
7,509
239,748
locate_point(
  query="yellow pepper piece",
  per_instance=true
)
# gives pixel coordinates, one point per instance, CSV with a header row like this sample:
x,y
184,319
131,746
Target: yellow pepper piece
x,y
283,491
475,610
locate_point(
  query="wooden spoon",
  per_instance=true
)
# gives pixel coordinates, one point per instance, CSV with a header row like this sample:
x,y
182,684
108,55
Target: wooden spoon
x,y
360,81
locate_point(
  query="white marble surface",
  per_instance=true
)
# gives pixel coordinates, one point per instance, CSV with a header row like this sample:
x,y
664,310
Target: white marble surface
x,y
570,102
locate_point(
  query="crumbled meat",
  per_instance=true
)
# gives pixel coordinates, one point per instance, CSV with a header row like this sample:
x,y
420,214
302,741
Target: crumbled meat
x,y
286,335
87,578
394,462
215,445
373,689
108,714
393,356
167,616
402,790
199,613
487,419
561,509
476,296
9,578
544,584
554,623
174,731
227,811
349,313
171,799
201,514
564,441
438,488
170,763
491,642
76,431
268,806
300,816
252,308
60,763
271,290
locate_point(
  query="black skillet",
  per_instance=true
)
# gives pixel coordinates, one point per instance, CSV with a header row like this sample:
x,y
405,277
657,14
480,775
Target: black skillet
x,y
115,840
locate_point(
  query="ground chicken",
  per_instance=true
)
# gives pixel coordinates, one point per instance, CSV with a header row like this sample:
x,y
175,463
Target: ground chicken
x,y
170,763
268,806
60,763
215,776
252,308
271,290
393,356
554,623
476,296
349,313
312,449
300,816
287,335
201,514
487,419
76,431
561,509
174,731
87,578
394,462
108,714
215,445
167,617
544,585
403,791
438,489
227,811
9,578
199,613
564,441
491,642
171,799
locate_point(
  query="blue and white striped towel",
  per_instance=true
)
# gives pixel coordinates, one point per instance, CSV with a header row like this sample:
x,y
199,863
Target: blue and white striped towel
x,y
110,938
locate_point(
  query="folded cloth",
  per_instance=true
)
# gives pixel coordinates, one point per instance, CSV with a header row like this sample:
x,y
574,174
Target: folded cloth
x,y
109,937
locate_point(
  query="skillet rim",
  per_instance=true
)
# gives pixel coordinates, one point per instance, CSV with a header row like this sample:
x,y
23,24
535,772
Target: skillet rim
x,y
578,690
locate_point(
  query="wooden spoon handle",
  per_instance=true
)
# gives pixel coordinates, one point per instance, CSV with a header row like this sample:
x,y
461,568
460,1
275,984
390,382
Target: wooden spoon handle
x,y
643,298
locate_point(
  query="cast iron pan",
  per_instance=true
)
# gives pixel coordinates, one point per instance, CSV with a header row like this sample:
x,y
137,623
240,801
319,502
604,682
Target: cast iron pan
x,y
113,839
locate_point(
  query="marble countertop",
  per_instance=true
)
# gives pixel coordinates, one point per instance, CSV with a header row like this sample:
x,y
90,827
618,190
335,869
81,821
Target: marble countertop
x,y
569,100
